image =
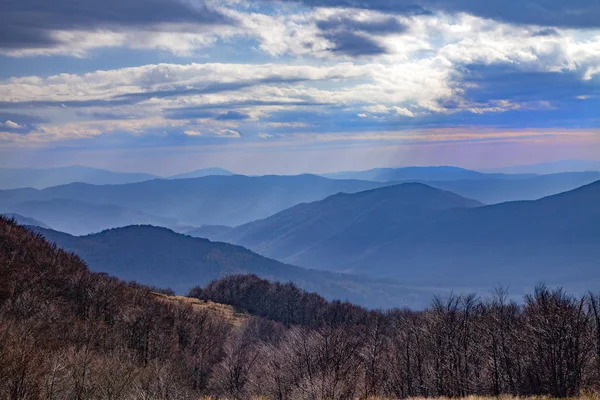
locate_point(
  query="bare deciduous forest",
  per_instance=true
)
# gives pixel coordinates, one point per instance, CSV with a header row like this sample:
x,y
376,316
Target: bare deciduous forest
x,y
67,333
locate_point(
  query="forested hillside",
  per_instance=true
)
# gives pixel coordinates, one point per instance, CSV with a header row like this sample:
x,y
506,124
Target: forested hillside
x,y
161,257
68,333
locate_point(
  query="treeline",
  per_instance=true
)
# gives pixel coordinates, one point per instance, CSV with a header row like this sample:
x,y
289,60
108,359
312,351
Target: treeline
x,y
67,333
458,346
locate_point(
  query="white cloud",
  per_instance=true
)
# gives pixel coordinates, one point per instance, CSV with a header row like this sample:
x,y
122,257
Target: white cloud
x,y
192,132
404,112
229,133
11,125
265,135
422,72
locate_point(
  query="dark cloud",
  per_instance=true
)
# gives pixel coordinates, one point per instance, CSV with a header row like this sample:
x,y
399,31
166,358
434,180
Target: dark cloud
x,y
29,23
560,13
353,44
384,26
349,36
546,32
233,116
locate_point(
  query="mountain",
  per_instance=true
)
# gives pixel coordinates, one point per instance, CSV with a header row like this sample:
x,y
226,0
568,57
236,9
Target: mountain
x,y
209,231
67,332
292,232
22,220
160,257
550,167
78,218
433,173
554,239
199,173
211,200
12,178
490,191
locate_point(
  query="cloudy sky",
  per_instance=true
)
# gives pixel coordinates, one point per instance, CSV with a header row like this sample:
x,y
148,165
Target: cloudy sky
x,y
166,86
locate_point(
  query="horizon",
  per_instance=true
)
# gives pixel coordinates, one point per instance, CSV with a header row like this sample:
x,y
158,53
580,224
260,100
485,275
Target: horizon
x,y
373,167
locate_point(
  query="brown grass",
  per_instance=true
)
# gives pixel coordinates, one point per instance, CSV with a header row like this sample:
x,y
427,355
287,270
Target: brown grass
x,y
228,313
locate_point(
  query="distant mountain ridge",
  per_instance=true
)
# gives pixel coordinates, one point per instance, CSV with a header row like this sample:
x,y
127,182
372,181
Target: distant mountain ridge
x,y
554,239
552,167
291,232
210,200
80,218
158,256
22,220
432,173
199,173
41,178
13,178
492,191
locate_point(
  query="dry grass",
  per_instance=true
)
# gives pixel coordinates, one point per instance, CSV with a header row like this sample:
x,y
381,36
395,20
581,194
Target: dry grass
x,y
226,312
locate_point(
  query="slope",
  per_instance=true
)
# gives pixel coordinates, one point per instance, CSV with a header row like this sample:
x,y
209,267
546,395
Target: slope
x,y
211,200
161,257
554,239
288,234
490,191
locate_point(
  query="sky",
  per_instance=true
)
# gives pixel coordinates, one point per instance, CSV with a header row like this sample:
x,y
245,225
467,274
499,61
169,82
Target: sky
x,y
291,86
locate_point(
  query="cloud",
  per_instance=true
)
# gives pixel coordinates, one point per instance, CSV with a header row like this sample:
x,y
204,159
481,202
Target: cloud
x,y
190,132
345,22
233,116
229,133
353,44
11,125
560,13
436,68
352,36
263,135
38,24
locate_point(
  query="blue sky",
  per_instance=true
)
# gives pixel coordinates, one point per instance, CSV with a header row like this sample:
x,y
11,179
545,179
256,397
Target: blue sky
x,y
166,86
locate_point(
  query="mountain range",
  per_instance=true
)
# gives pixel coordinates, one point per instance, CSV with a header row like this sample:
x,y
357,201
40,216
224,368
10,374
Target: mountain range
x,y
215,200
160,257
432,173
494,190
453,244
231,200
80,218
549,167
22,220
14,178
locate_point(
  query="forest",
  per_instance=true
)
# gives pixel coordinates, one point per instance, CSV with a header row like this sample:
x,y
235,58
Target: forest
x,y
68,333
